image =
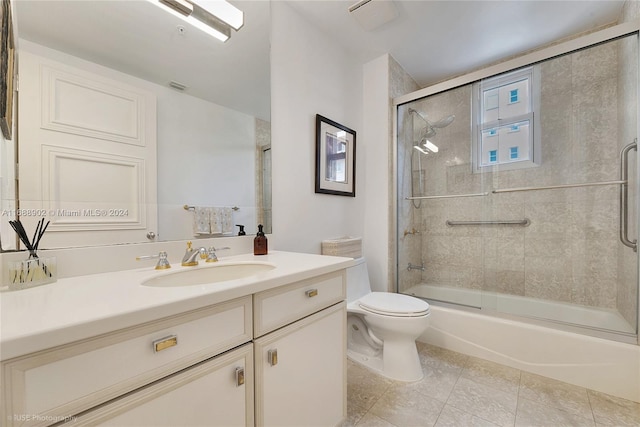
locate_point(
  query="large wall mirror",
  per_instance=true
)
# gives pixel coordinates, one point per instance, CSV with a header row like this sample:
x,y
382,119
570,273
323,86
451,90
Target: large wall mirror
x,y
135,127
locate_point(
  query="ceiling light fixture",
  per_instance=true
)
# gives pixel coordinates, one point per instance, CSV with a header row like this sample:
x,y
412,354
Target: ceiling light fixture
x,y
214,17
224,11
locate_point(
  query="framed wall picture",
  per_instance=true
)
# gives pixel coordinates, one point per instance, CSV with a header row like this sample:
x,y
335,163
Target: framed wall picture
x,y
7,63
335,158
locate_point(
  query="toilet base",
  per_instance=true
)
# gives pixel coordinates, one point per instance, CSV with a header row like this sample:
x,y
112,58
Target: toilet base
x,y
372,362
401,360
403,363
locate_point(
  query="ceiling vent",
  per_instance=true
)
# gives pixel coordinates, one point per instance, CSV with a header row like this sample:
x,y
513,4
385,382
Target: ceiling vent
x,y
372,14
179,86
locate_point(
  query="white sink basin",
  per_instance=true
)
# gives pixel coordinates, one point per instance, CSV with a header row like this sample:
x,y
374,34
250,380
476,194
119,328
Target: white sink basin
x,y
190,276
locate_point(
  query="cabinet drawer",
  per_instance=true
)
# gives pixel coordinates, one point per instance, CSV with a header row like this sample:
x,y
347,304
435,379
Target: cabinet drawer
x,y
280,306
65,380
208,394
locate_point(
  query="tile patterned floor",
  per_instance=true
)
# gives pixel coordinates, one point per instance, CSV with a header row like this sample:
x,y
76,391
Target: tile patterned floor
x,y
464,391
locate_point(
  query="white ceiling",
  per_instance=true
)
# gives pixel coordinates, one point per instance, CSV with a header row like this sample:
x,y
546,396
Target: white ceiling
x,y
432,40
435,40
140,39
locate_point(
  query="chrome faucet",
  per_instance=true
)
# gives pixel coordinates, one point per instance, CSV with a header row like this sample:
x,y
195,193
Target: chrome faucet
x,y
190,257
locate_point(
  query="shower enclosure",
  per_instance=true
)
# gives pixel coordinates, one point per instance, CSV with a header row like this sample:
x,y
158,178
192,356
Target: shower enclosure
x,y
517,190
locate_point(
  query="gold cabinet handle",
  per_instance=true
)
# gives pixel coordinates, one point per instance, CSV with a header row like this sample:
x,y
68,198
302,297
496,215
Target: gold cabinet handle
x,y
165,343
272,357
311,293
239,377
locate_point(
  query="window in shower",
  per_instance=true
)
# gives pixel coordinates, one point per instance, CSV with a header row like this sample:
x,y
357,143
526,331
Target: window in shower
x,y
505,111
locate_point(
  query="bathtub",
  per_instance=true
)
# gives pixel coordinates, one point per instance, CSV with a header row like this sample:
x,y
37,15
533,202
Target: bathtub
x,y
600,364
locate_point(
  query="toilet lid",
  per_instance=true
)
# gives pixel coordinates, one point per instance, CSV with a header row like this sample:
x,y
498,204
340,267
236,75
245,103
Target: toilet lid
x,y
392,304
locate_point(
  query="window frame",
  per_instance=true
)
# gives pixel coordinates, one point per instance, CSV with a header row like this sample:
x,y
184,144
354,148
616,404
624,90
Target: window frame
x,y
531,72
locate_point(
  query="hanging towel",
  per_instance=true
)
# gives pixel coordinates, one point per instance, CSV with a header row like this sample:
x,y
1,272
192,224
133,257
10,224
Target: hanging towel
x,y
221,220
201,220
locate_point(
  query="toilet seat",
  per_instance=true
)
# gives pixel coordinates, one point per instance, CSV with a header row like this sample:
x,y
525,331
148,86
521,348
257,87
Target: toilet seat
x,y
392,304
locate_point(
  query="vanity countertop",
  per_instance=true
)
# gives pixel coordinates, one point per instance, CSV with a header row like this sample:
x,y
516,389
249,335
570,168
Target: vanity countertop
x,y
80,307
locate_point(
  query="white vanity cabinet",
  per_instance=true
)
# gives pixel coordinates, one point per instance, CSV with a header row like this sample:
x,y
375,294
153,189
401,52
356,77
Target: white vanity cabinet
x,y
52,385
301,367
273,357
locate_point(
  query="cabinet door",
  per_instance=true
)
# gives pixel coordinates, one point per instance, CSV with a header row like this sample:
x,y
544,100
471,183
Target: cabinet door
x,y
217,392
301,372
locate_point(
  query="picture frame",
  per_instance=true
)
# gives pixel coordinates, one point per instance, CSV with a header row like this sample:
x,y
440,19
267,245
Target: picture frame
x,y
335,158
7,69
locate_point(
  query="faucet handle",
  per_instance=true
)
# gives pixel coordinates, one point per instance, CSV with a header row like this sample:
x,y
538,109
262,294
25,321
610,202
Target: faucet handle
x,y
163,262
211,254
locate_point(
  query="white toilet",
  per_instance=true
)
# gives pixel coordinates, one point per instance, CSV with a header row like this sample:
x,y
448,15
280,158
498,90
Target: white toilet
x,y
382,327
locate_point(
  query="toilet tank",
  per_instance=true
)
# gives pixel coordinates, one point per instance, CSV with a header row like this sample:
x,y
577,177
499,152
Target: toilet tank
x,y
357,280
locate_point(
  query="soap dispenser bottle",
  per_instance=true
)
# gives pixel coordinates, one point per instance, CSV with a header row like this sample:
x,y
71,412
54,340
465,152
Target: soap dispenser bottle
x,y
260,243
241,232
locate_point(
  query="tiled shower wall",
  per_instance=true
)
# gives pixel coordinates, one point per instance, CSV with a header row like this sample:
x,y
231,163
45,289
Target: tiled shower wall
x,y
571,251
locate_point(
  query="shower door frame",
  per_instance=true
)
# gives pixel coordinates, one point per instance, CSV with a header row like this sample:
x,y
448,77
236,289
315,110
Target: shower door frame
x,y
582,42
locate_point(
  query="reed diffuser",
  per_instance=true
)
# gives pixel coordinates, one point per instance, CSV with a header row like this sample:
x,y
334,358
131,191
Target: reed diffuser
x,y
35,270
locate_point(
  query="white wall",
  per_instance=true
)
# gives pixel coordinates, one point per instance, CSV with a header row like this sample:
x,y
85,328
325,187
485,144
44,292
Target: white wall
x,y
311,74
376,133
206,157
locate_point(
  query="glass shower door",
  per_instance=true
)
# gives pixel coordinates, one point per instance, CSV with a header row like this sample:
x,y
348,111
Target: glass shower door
x,y
513,196
437,259
569,264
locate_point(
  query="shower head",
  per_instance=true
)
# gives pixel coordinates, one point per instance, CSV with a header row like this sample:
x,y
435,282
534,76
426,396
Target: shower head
x,y
444,122
430,128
